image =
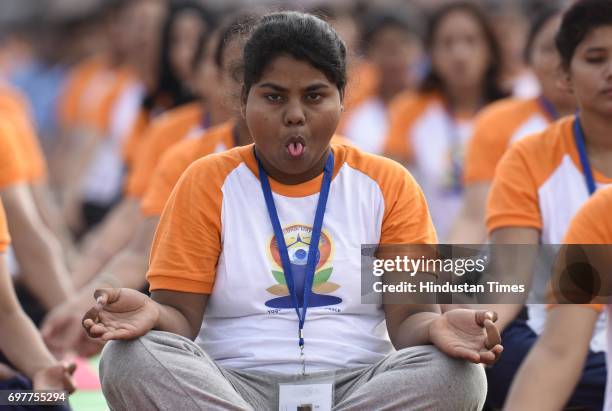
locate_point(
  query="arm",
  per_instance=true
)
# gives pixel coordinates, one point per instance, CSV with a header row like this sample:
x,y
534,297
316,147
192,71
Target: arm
x,y
469,227
52,217
555,362
38,252
180,313
408,325
108,240
62,327
124,314
69,176
522,267
24,347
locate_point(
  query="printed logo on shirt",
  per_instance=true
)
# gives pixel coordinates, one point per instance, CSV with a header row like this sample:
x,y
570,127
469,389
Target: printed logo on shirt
x,y
297,238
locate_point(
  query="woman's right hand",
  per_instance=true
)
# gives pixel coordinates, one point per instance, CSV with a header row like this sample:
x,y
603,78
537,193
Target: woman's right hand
x,y
120,314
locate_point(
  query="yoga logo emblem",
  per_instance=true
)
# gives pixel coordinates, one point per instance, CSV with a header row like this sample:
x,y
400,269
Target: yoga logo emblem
x,y
297,238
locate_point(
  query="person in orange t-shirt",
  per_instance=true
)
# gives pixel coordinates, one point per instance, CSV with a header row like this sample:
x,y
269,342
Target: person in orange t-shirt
x,y
184,29
504,122
86,164
165,85
42,269
555,362
392,45
128,267
542,182
207,249
21,342
18,122
429,130
71,99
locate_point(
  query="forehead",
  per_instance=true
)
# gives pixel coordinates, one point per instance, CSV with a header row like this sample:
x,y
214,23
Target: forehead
x,y
187,19
458,21
289,72
600,37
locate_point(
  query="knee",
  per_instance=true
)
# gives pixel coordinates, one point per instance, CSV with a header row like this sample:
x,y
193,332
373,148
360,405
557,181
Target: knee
x,y
461,382
455,384
123,362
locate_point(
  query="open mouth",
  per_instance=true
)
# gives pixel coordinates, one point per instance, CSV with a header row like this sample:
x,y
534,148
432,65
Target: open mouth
x,y
296,146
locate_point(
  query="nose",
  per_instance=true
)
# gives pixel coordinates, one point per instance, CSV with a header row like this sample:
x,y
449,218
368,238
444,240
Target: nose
x,y
294,114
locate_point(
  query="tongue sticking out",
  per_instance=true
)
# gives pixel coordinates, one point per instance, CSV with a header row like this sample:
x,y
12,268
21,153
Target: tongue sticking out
x,y
295,149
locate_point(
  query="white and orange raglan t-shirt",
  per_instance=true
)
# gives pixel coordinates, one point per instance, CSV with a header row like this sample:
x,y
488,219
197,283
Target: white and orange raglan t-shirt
x,y
497,127
539,184
431,140
593,225
215,237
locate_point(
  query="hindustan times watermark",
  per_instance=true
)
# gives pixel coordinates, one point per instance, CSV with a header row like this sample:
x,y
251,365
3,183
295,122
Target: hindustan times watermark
x,y
486,274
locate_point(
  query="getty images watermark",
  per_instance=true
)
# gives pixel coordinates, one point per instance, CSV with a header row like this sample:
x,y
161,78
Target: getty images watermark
x,y
485,274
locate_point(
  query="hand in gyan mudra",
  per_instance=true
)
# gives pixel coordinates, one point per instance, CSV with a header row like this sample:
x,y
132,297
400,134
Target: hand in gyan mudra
x,y
468,334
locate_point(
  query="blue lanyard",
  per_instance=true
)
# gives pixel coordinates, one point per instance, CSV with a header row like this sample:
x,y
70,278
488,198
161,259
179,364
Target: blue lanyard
x,y
206,121
454,141
313,248
547,106
584,159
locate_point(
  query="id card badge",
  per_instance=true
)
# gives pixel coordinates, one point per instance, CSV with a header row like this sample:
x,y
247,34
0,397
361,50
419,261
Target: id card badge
x,y
306,396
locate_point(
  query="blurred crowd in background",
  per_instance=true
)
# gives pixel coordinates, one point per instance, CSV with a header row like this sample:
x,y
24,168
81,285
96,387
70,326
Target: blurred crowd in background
x,y
102,89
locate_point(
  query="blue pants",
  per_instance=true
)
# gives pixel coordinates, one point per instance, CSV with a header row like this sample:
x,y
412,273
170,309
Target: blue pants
x,y
517,340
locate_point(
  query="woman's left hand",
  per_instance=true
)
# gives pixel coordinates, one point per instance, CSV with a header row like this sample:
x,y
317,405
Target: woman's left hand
x,y
467,334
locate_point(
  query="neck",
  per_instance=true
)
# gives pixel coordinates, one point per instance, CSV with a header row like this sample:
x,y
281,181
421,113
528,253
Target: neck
x,y
218,113
242,132
465,99
562,108
293,179
387,92
597,131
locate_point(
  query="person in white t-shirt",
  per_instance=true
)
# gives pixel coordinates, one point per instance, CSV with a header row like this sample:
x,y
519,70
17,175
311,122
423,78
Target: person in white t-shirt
x,y
232,264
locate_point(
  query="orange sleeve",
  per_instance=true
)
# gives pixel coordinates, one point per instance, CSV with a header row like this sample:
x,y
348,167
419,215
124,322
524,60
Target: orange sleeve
x,y
15,109
176,160
187,243
5,239
166,130
37,164
13,169
513,199
363,83
403,112
167,173
592,225
132,142
68,107
70,98
489,142
144,165
98,116
406,219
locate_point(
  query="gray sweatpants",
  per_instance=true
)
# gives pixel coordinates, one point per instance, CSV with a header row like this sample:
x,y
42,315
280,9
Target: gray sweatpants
x,y
165,371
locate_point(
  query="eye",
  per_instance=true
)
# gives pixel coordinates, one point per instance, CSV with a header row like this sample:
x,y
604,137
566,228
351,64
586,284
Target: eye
x,y
595,59
313,97
274,98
